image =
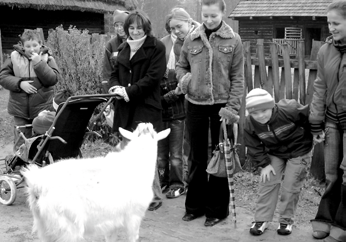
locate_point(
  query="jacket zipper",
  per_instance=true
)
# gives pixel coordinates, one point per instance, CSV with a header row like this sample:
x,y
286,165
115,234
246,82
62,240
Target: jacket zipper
x,y
29,94
290,155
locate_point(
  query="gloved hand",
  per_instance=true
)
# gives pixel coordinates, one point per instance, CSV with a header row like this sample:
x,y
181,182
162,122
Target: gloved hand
x,y
229,115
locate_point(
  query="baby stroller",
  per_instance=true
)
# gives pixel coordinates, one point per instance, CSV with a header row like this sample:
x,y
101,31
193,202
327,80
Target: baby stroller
x,y
62,140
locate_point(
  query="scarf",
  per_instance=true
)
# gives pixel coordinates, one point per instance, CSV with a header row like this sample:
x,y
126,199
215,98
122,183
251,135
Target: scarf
x,y
171,60
135,45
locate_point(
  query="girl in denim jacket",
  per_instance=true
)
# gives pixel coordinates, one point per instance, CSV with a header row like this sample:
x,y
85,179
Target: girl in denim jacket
x,y
210,74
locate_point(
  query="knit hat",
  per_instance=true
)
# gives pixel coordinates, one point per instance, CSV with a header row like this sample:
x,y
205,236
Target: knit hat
x,y
259,99
61,97
119,16
42,122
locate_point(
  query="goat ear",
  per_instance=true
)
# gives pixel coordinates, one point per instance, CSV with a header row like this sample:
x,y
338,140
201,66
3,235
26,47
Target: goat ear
x,y
127,134
163,134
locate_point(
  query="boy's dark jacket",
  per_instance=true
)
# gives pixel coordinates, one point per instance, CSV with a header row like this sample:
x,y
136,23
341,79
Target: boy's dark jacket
x,y
20,103
286,135
172,104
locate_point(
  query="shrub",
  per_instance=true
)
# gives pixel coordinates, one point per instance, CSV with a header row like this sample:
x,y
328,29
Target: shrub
x,y
79,57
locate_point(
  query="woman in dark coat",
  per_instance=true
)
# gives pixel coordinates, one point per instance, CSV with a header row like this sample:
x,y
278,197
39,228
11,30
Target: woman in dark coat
x,y
139,69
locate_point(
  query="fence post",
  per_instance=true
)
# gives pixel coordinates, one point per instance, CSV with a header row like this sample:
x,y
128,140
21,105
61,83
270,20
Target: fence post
x,y
275,70
287,71
261,63
301,69
248,66
1,54
40,32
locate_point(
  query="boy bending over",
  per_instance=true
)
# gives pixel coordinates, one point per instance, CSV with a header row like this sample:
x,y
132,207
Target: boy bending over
x,y
279,143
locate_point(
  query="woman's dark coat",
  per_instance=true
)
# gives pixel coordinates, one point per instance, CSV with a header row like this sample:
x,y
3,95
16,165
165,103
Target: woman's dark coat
x,y
141,77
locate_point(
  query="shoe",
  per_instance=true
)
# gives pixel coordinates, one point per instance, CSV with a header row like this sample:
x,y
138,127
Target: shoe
x,y
164,188
189,217
258,228
212,221
319,234
284,229
175,192
154,205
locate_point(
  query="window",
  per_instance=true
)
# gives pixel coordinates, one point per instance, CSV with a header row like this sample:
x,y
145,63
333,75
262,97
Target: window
x,y
293,33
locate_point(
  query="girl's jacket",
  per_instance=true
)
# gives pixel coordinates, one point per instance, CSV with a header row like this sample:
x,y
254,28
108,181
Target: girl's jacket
x,y
329,86
44,76
286,135
216,67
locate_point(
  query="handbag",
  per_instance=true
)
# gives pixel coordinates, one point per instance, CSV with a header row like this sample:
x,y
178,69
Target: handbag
x,y
217,163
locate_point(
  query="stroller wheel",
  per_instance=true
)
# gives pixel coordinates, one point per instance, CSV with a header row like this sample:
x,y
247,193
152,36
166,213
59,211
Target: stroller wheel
x,y
8,190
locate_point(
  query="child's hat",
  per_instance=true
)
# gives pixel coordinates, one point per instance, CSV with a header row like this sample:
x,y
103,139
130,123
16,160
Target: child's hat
x,y
119,16
42,122
61,97
259,99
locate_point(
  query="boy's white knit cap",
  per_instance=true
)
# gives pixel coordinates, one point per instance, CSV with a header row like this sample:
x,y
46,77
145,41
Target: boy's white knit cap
x,y
259,99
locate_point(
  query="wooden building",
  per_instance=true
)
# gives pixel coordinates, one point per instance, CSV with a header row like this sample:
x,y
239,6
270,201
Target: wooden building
x,y
282,21
17,15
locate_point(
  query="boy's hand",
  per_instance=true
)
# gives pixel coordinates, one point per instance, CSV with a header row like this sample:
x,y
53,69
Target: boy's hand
x,y
265,173
36,58
27,87
318,138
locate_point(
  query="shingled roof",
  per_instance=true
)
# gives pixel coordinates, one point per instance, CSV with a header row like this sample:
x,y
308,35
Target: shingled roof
x,y
268,8
100,6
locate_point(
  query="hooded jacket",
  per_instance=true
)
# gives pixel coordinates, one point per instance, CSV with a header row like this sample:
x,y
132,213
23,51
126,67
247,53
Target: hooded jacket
x,y
216,67
111,51
329,86
44,76
286,135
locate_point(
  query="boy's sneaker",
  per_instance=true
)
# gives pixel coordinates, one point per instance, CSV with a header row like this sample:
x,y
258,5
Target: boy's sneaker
x,y
175,192
258,228
284,229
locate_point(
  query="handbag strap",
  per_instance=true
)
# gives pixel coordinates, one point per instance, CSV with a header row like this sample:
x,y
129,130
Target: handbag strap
x,y
223,133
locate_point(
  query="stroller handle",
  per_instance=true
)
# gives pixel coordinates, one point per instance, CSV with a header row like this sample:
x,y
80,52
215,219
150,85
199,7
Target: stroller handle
x,y
58,138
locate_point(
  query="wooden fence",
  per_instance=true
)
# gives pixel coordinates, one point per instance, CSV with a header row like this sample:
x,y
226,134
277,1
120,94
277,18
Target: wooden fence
x,y
283,78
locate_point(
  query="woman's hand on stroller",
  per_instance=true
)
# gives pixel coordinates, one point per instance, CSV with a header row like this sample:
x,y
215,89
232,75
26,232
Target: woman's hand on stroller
x,y
117,91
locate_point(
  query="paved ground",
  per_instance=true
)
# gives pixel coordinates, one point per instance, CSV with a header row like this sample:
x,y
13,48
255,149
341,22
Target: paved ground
x,y
162,225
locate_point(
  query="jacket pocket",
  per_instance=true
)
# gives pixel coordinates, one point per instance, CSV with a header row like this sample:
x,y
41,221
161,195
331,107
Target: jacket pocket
x,y
196,53
226,49
225,53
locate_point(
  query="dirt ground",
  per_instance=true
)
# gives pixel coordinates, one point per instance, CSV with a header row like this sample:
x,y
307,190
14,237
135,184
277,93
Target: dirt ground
x,y
162,225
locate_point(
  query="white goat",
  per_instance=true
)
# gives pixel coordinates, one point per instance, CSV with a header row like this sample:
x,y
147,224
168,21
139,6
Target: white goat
x,y
74,199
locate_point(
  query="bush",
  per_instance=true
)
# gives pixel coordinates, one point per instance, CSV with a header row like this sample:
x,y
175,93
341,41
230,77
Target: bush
x,y
79,57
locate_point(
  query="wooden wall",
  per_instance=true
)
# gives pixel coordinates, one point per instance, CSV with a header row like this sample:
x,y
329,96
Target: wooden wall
x,y
13,21
265,28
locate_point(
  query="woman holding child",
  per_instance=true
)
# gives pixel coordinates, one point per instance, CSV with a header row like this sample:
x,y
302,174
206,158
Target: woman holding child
x,y
210,73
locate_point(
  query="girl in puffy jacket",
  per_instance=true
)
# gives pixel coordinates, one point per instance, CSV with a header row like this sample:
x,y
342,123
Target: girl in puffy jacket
x,y
29,74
